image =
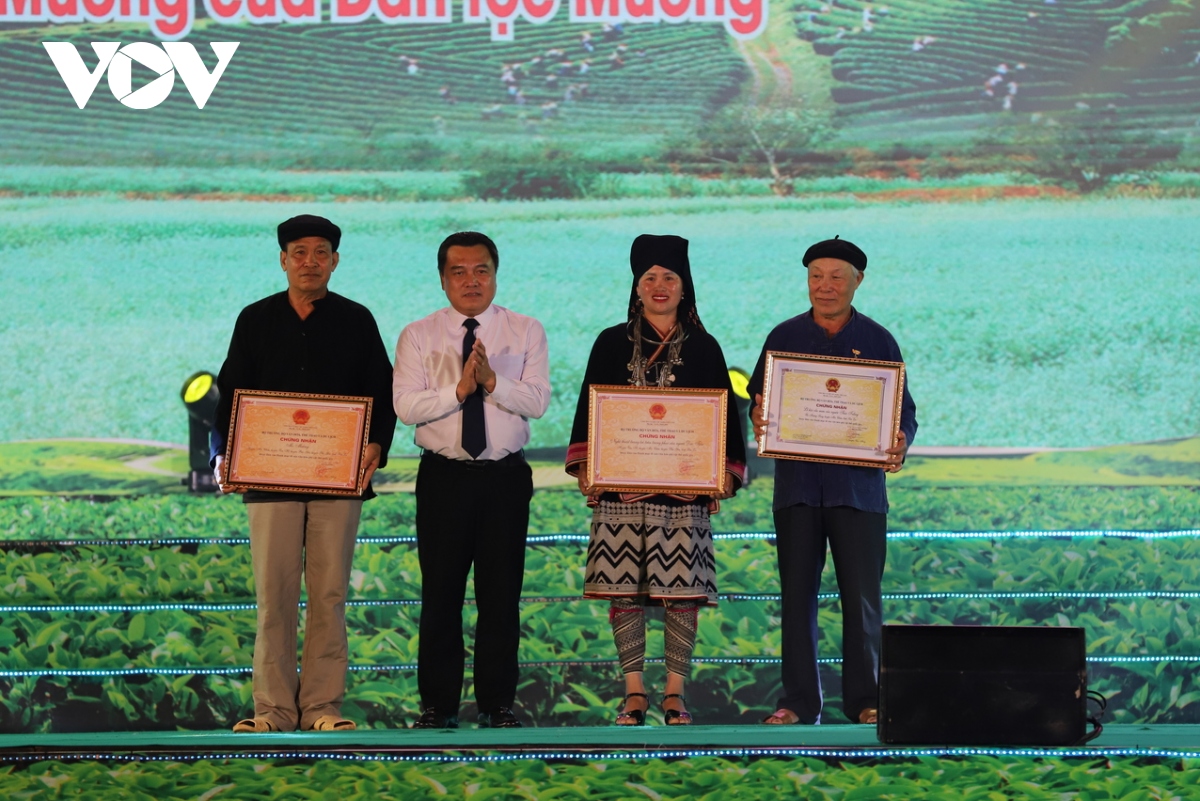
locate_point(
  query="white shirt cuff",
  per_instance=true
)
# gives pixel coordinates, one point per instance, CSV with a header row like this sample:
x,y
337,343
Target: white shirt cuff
x,y
504,387
448,398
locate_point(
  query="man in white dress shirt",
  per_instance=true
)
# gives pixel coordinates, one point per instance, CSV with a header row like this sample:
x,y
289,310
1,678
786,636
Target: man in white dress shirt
x,y
469,377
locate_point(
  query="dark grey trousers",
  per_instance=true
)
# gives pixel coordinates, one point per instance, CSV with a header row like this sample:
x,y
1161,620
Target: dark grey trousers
x,y
858,543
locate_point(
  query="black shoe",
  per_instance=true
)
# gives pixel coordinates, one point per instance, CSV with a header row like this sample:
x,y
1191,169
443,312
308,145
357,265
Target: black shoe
x,y
632,717
676,717
502,718
432,719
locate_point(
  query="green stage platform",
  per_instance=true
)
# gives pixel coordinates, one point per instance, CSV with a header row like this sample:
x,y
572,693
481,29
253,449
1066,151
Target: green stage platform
x,y
540,743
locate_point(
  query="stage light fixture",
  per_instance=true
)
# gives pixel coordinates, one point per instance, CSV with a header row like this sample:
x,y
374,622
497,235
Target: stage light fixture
x,y
200,396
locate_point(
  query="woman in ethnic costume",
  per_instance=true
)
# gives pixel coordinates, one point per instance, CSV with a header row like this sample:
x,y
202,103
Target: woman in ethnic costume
x,y
655,549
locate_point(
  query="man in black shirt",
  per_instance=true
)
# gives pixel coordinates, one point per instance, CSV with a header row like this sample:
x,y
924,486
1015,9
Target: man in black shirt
x,y
306,339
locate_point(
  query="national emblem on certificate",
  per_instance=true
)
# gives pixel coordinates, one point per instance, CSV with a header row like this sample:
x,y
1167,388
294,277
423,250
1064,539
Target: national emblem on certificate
x,y
659,440
293,442
844,411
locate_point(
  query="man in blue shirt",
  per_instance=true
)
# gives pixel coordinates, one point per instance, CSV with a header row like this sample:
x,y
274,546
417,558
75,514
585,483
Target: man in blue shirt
x,y
840,505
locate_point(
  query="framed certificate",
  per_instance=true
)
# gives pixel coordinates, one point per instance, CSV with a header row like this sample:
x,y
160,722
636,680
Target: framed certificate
x,y
823,409
654,439
293,442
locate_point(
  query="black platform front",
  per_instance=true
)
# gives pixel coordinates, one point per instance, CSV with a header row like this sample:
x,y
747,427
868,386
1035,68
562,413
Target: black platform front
x,y
983,685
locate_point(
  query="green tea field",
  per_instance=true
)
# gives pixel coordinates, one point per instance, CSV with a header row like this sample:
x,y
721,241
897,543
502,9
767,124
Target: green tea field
x,y
1024,323
938,58
127,633
375,110
411,96
138,613
754,779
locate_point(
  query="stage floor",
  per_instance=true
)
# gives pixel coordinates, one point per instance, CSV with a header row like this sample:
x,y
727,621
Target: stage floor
x,y
843,741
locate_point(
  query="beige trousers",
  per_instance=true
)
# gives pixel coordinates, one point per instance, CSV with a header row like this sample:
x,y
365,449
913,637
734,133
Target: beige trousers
x,y
287,539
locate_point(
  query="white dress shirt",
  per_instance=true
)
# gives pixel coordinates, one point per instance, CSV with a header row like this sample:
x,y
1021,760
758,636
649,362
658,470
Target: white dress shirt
x,y
429,365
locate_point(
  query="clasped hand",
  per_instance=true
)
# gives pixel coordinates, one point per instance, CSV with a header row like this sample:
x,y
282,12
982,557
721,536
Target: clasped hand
x,y
477,371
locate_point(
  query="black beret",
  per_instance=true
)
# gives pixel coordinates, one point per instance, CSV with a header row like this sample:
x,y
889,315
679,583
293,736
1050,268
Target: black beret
x,y
837,248
308,225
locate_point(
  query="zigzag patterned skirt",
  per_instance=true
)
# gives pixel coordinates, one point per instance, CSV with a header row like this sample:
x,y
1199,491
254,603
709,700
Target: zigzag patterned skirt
x,y
650,551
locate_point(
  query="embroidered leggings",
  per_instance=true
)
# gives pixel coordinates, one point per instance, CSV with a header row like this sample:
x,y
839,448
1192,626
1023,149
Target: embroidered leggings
x,y
628,619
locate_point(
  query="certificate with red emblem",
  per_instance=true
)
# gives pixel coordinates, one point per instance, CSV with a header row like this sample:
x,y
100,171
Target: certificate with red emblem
x,y
824,409
293,442
656,440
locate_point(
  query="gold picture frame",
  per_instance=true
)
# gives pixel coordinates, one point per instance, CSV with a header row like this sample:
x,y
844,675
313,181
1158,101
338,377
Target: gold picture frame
x,y
297,442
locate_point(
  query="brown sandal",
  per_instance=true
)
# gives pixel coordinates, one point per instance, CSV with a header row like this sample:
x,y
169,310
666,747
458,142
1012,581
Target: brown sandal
x,y
782,717
333,723
254,726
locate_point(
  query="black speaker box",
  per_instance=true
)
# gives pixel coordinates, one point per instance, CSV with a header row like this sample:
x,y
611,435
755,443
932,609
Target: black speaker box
x,y
982,685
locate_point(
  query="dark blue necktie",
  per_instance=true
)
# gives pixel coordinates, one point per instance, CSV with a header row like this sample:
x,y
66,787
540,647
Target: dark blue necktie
x,y
474,435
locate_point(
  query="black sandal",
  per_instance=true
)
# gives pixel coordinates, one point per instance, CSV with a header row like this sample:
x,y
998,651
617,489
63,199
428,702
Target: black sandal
x,y
673,717
636,717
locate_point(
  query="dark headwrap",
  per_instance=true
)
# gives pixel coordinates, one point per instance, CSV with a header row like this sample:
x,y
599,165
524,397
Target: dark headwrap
x,y
837,248
308,225
671,252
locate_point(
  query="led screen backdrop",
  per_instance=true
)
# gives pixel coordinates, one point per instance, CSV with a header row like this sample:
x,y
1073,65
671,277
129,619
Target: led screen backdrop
x,y
1022,173
1019,172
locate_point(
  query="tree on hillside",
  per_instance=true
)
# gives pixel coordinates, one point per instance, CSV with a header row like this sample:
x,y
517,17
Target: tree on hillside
x,y
773,139
1088,149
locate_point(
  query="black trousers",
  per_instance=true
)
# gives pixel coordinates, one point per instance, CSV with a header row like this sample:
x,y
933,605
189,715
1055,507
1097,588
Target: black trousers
x,y
858,542
470,513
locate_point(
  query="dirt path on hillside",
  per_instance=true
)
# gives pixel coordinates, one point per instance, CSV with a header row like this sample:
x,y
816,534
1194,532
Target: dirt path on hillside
x,y
771,77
